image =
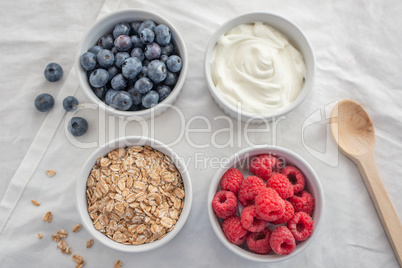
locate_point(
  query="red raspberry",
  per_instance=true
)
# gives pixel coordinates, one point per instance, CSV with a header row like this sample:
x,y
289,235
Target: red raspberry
x,y
259,242
251,221
269,205
249,189
281,185
295,177
303,201
224,204
234,231
263,165
232,180
301,226
282,241
287,215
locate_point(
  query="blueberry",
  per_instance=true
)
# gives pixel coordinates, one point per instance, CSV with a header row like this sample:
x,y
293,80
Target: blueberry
x,y
152,51
106,41
100,92
88,61
122,101
136,41
122,28
131,82
99,78
143,85
147,24
171,79
114,50
135,95
157,71
143,72
147,36
105,58
162,34
120,58
77,126
174,63
163,58
138,53
109,96
113,71
70,103
168,49
53,72
134,26
163,92
150,100
44,102
123,43
145,62
134,108
95,49
131,67
118,82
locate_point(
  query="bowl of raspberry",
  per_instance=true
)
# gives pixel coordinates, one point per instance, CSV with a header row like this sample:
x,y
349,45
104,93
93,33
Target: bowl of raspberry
x,y
266,204
132,62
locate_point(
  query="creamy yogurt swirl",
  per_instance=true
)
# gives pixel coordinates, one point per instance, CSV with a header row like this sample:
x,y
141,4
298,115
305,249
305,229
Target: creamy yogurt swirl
x,y
254,64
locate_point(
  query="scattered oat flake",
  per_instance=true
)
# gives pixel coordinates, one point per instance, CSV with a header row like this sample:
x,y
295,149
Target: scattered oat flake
x,y
40,236
76,228
80,265
48,217
36,203
78,259
90,242
117,264
50,173
62,233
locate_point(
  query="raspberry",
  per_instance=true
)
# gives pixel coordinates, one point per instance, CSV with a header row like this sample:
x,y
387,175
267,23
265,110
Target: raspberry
x,y
263,165
250,221
249,189
234,231
303,201
301,226
295,177
232,180
224,204
281,185
287,215
269,205
259,242
282,241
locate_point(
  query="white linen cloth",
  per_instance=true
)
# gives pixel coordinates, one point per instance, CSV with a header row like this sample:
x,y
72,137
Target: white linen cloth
x,y
358,51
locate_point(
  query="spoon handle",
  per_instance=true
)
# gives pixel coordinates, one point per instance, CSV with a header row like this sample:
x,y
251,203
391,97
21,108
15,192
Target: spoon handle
x,y
382,203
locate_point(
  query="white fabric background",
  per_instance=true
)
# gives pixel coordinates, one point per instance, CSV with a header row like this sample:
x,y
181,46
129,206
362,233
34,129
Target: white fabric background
x,y
358,50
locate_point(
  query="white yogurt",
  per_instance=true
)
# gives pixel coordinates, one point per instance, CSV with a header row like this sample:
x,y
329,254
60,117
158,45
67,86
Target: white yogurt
x,y
254,64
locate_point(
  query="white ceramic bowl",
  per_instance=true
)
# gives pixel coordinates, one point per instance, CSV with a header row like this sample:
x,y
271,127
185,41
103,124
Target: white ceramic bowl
x,y
80,192
296,38
105,25
240,161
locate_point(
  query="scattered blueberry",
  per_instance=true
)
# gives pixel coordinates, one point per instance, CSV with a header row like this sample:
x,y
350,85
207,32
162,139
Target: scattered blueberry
x,y
106,41
44,102
171,79
162,34
157,71
100,92
136,41
120,58
113,71
147,36
70,103
150,100
99,78
147,24
138,53
105,58
152,51
143,85
88,61
77,126
122,28
163,92
174,63
134,26
168,49
123,43
53,72
131,67
135,95
118,82
122,101
109,96
95,49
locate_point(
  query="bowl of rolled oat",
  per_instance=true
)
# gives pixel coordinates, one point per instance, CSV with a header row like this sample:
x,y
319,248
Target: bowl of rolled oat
x,y
134,194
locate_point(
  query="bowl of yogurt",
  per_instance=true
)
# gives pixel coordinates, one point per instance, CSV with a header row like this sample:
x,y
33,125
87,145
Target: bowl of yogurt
x,y
259,66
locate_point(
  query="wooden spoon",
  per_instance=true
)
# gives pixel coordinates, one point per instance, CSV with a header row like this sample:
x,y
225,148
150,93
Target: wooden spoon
x,y
353,130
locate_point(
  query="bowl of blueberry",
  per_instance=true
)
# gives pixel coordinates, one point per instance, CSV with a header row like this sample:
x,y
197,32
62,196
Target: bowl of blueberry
x,y
132,62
